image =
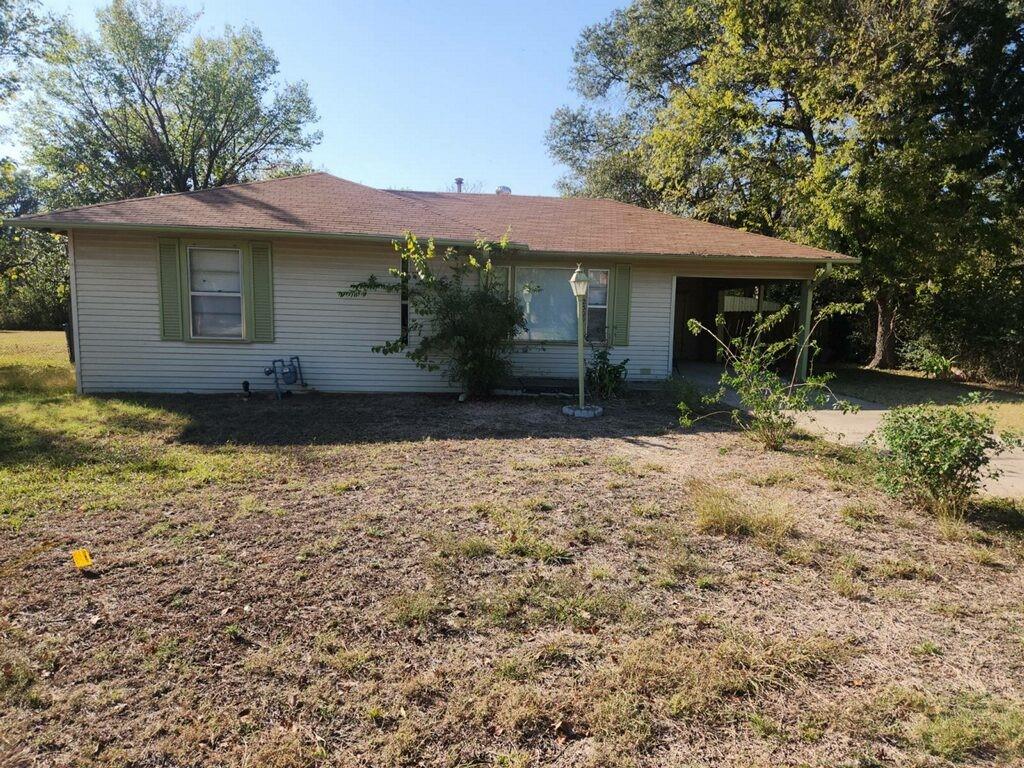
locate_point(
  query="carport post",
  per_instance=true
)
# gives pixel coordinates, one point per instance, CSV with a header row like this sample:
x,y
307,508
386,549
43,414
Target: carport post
x,y
806,300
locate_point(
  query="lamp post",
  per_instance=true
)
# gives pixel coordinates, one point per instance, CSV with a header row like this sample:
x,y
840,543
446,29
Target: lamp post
x,y
579,283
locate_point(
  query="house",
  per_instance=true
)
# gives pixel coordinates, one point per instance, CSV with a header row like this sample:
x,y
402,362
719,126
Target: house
x,y
198,291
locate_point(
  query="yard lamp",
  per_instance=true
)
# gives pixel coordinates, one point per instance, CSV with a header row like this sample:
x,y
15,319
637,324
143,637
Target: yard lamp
x,y
579,282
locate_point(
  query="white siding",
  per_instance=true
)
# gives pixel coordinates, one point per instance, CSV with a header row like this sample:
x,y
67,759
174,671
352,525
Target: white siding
x,y
119,331
119,327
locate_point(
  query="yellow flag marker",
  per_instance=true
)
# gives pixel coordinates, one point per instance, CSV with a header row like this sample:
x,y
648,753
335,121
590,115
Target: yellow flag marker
x,y
82,558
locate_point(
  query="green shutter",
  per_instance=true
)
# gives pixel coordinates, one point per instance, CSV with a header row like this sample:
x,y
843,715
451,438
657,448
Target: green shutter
x,y
262,280
621,292
171,328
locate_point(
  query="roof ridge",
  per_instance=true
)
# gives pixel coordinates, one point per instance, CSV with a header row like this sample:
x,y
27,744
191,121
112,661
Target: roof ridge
x,y
163,195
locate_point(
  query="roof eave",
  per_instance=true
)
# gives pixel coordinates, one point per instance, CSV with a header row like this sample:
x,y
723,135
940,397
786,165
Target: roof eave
x,y
658,256
56,225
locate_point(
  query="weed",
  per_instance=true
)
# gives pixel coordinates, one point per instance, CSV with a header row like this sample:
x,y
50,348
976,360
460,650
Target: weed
x,y
346,486
984,556
719,512
773,478
926,648
845,579
972,726
621,719
514,759
17,679
331,651
859,513
645,509
416,608
904,568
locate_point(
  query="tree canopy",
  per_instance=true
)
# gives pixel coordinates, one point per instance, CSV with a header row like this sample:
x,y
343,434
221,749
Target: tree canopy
x,y
146,107
887,129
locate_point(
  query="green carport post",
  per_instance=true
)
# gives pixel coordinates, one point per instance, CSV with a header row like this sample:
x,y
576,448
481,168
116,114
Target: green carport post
x,y
806,300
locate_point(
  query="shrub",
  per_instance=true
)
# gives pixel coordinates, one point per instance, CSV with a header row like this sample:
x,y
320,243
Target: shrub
x,y
938,455
920,357
604,378
751,371
459,317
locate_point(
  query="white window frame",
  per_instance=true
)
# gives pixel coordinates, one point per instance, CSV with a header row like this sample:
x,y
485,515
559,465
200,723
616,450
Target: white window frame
x,y
239,294
586,314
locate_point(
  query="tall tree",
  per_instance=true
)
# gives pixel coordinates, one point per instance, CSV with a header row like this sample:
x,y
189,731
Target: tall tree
x,y
33,266
144,108
23,33
888,129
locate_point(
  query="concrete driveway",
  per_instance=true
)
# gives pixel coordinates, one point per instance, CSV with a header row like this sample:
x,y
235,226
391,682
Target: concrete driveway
x,y
855,428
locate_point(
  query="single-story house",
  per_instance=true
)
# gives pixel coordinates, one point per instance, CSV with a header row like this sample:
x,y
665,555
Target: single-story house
x,y
198,291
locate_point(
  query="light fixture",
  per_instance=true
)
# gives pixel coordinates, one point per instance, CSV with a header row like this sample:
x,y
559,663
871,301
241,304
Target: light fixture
x,y
579,282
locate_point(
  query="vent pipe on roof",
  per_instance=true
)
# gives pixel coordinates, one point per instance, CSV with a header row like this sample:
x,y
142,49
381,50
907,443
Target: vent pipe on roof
x,y
458,183
503,190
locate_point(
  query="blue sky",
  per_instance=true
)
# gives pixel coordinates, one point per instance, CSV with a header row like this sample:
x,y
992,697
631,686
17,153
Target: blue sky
x,y
412,94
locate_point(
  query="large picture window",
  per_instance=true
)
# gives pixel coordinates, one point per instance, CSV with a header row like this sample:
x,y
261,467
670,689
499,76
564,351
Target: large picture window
x,y
548,303
550,307
215,292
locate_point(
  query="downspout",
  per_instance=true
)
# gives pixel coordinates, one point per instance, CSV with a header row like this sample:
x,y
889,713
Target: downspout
x,y
76,332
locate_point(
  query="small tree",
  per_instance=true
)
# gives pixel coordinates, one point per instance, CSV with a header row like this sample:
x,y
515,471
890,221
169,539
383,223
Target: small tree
x,y
751,370
937,456
460,318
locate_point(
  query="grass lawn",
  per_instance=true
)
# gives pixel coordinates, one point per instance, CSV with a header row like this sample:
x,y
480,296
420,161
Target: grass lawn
x,y
35,361
388,581
895,388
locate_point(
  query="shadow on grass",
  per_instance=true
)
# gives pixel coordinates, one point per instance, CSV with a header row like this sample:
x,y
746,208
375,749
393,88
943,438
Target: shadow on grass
x,y
998,514
896,388
321,419
37,379
24,444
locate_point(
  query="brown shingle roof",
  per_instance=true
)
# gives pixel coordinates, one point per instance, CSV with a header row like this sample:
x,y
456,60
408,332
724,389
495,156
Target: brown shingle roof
x,y
322,204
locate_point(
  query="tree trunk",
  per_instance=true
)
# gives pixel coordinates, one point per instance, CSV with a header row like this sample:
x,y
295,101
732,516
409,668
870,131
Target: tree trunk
x,y
885,333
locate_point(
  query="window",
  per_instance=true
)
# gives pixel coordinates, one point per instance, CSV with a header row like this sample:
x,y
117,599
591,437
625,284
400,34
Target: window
x,y
215,292
548,303
550,307
597,306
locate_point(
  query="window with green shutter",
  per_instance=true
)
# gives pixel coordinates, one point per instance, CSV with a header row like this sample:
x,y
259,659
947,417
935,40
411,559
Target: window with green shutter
x,y
216,291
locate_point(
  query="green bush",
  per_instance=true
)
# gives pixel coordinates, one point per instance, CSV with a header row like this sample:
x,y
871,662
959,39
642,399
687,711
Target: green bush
x,y
460,318
751,371
604,378
921,357
938,456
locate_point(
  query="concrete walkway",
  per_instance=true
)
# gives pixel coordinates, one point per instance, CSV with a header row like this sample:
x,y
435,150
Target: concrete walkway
x,y
855,428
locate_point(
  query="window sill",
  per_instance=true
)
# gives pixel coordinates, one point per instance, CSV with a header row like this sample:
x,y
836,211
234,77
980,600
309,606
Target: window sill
x,y
520,344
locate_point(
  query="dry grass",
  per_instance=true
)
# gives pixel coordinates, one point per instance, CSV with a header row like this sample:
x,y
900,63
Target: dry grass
x,y
388,581
719,511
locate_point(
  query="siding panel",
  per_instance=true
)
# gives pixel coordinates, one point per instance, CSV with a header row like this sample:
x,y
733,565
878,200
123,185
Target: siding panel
x,y
118,312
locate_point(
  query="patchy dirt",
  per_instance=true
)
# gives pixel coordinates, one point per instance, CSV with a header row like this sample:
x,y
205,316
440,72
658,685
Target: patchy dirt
x,y
412,581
